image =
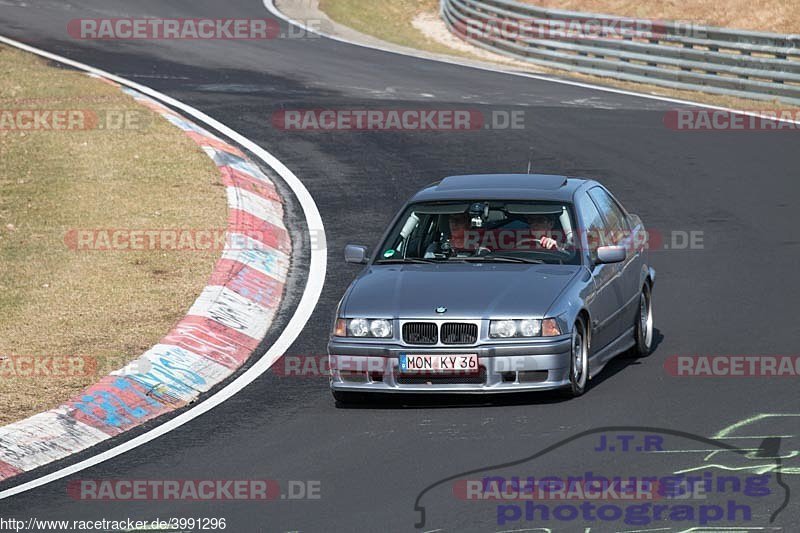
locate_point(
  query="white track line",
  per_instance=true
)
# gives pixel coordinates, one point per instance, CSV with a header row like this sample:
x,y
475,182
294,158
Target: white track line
x,y
270,6
311,293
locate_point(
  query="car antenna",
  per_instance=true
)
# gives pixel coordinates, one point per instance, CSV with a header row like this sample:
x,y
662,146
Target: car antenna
x,y
530,160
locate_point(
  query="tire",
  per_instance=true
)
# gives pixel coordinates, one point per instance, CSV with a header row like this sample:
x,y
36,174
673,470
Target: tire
x,y
579,361
344,398
644,324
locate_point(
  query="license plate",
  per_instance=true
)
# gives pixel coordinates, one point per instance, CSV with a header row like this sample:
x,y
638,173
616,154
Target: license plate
x,y
467,363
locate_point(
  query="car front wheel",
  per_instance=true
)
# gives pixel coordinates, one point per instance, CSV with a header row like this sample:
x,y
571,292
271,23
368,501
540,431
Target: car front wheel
x,y
644,324
579,360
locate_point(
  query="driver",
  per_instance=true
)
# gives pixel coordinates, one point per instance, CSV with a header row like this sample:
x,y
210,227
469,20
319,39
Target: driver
x,y
541,227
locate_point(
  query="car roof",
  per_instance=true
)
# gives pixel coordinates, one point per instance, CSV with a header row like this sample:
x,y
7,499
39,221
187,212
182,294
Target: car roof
x,y
542,187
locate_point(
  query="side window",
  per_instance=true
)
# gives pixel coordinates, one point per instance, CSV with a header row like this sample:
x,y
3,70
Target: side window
x,y
593,224
615,218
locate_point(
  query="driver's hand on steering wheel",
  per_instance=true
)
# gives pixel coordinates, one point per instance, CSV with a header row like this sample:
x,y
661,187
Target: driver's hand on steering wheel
x,y
548,243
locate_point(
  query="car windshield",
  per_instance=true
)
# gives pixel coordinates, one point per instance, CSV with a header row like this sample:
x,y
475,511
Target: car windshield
x,y
483,231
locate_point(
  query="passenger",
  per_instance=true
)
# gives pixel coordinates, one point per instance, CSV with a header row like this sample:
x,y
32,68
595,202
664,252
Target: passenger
x,y
462,237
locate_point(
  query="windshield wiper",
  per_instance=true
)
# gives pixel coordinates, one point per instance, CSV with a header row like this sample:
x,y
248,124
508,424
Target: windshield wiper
x,y
405,260
500,258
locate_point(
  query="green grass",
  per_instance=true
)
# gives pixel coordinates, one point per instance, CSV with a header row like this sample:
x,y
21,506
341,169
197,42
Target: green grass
x,y
390,21
107,305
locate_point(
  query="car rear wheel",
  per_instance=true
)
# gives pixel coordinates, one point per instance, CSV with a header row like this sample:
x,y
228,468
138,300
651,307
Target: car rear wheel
x,y
644,324
579,360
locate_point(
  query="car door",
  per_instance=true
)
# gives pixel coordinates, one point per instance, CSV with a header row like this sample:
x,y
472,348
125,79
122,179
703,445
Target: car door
x,y
620,234
607,298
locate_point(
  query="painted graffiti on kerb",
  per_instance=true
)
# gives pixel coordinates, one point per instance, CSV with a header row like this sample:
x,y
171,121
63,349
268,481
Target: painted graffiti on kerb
x,y
115,403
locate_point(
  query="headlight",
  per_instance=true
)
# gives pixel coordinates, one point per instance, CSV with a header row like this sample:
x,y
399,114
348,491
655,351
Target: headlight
x,y
502,328
380,328
359,327
528,327
363,327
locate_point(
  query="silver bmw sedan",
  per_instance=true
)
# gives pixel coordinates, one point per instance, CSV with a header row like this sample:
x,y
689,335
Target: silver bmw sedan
x,y
491,284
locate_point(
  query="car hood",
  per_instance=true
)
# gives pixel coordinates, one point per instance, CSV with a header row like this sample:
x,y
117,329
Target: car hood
x,y
468,291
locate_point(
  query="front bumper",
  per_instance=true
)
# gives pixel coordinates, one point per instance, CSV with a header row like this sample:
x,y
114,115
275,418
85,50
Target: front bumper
x,y
541,364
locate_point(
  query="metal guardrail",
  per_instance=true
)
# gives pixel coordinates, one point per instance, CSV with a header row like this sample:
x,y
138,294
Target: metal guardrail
x,y
748,64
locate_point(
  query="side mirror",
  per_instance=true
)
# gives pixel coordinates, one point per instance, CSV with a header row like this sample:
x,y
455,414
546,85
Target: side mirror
x,y
634,220
354,253
611,254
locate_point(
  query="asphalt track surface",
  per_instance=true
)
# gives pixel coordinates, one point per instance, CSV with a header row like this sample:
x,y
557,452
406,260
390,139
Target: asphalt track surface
x,y
736,295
